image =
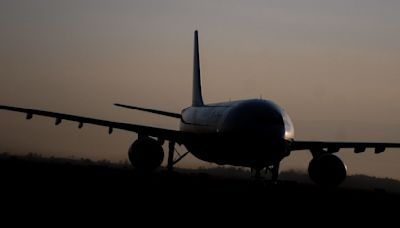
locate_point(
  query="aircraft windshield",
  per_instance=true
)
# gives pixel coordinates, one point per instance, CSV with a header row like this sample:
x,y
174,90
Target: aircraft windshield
x,y
289,129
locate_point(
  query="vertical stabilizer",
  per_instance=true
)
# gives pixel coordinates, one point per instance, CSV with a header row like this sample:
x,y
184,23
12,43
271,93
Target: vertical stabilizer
x,y
197,99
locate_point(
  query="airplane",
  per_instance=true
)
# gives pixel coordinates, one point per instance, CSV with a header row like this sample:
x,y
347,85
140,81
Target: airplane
x,y
252,133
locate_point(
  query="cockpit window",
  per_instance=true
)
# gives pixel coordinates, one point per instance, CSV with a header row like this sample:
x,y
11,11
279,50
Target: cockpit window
x,y
289,129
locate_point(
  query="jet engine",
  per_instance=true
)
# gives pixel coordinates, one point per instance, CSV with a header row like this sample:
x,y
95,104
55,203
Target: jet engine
x,y
327,170
146,154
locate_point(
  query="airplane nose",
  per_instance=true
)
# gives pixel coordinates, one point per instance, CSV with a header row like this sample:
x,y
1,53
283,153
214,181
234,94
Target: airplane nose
x,y
256,118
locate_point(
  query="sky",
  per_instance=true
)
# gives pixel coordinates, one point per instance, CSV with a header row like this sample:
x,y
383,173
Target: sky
x,y
334,66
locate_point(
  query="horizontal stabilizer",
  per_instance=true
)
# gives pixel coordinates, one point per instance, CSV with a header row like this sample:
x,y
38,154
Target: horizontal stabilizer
x,y
170,114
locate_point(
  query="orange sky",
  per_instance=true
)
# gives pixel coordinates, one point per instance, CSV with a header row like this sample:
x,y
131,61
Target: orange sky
x,y
333,65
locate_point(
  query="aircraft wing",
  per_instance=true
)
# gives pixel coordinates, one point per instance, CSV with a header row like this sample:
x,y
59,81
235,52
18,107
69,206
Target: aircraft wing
x,y
166,134
333,147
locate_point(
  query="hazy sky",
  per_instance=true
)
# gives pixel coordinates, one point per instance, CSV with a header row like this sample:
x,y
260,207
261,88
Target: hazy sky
x,y
333,65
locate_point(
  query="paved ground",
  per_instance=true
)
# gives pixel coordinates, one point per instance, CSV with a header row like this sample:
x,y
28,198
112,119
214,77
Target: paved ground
x,y
31,183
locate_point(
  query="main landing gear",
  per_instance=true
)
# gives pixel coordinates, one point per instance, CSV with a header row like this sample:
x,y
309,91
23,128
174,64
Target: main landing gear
x,y
171,152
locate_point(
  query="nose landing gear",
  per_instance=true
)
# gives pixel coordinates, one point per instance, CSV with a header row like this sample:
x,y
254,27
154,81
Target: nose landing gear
x,y
272,169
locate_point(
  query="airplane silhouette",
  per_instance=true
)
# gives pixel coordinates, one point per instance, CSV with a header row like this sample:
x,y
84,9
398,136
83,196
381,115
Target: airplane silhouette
x,y
251,133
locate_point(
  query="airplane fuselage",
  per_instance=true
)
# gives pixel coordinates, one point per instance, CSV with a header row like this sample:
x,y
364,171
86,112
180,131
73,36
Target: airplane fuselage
x,y
253,133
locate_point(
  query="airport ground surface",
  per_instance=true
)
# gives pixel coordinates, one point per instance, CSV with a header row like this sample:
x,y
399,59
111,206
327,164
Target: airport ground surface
x,y
30,183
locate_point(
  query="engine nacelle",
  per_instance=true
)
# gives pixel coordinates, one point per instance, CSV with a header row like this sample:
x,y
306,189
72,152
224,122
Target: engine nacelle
x,y
146,154
327,170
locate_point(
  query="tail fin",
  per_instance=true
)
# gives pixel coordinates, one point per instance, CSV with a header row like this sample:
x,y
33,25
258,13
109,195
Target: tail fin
x,y
197,99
